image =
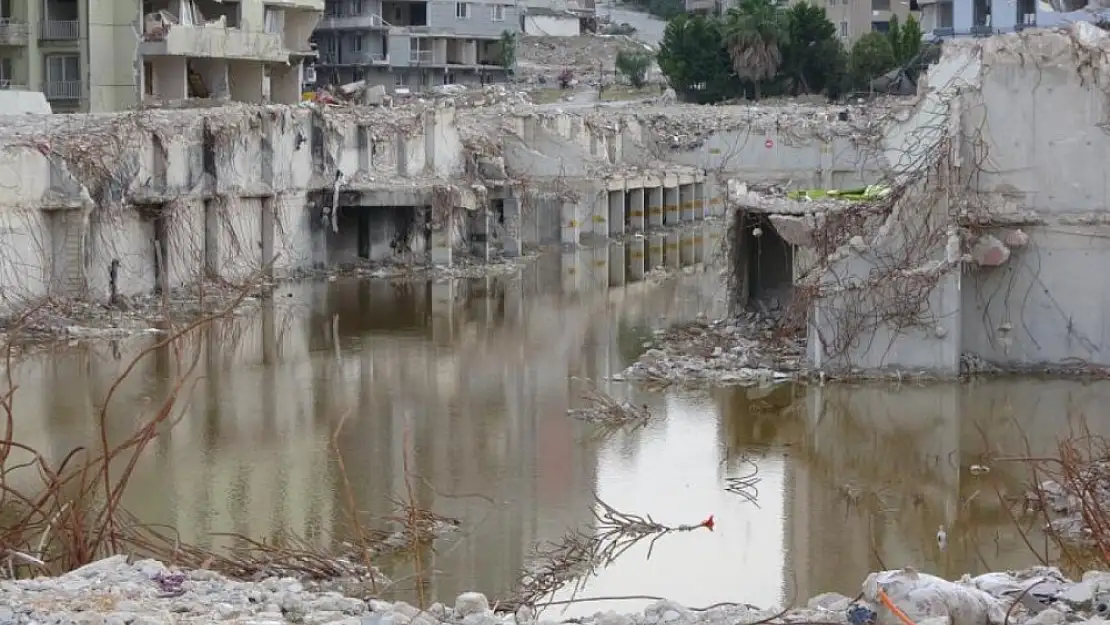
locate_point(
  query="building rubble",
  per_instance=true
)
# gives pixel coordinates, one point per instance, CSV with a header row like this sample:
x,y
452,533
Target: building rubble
x,y
147,591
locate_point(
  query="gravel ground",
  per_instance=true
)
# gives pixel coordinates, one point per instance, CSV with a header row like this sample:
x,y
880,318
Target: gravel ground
x,y
115,592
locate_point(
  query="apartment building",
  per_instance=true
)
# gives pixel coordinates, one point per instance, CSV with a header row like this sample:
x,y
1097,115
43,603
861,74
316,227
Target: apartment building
x,y
414,43
986,17
855,18
101,55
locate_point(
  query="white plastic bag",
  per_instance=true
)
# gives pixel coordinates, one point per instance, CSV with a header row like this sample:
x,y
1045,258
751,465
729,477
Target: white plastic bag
x,y
929,600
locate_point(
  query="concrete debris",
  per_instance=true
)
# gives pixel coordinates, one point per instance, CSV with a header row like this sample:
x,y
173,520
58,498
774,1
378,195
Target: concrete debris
x,y
149,593
1066,508
988,251
738,351
540,59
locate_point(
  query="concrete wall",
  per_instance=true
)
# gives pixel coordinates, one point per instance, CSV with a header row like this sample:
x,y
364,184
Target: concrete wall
x,y
1017,142
552,25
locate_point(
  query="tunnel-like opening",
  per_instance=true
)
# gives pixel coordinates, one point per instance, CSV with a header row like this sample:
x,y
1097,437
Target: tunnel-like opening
x,y
764,265
376,233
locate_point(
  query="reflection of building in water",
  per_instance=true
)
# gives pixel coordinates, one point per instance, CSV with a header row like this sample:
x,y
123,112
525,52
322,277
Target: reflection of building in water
x,y
874,470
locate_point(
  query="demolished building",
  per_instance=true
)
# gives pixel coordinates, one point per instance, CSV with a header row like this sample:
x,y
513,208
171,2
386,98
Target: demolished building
x,y
132,203
984,252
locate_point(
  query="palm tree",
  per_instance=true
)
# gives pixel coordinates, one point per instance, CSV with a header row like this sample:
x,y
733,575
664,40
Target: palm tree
x,y
754,34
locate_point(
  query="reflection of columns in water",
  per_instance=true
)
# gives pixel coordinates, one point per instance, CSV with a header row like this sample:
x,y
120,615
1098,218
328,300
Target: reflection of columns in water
x,y
654,196
616,213
671,254
656,246
599,267
572,271
636,209
699,244
671,213
637,257
686,247
686,202
443,311
617,266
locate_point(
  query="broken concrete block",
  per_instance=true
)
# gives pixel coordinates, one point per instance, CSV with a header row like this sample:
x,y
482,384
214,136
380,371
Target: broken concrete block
x,y
492,167
990,252
374,96
1017,238
793,230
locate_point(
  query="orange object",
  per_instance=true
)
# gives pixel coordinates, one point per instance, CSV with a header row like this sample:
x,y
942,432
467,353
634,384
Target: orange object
x,y
893,608
708,523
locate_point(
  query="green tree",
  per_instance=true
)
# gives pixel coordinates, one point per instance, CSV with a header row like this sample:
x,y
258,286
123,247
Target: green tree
x,y
911,40
507,50
633,65
755,34
894,35
812,57
692,56
871,57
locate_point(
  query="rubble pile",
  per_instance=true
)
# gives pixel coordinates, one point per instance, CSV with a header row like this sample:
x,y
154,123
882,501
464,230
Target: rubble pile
x,y
149,593
737,351
1068,508
540,60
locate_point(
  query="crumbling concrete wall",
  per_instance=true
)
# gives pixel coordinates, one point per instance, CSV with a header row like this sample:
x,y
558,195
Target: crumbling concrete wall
x,y
1000,201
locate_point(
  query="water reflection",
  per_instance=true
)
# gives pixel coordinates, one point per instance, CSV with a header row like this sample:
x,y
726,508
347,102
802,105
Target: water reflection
x,y
466,382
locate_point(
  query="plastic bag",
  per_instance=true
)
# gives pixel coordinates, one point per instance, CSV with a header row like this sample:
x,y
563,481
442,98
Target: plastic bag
x,y
929,600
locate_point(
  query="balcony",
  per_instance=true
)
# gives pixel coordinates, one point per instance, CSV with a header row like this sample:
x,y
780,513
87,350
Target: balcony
x,y
13,32
62,90
60,30
353,22
419,57
365,58
214,42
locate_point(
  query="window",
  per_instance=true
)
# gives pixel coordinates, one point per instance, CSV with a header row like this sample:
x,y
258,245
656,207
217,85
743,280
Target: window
x,y
356,8
274,21
462,10
5,72
5,8
63,68
497,12
399,79
880,5
356,44
844,29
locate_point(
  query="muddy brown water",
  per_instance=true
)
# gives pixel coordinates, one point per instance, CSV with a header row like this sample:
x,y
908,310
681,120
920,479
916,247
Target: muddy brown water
x,y
471,376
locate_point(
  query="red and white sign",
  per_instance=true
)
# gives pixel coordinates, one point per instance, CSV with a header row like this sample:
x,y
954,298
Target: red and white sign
x,y
768,143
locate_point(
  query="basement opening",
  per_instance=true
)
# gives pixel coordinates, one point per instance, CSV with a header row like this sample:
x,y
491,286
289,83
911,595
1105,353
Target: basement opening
x,y
156,216
375,233
766,264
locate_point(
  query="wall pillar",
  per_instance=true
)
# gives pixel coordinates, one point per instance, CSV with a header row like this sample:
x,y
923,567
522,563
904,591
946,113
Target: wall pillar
x,y
442,227
572,221
699,244
671,213
637,258
671,253
478,223
246,78
572,271
617,264
699,201
599,219
686,202
655,207
656,245
636,210
616,213
511,234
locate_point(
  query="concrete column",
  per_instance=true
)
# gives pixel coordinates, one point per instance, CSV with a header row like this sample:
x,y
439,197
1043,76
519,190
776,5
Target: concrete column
x,y
656,245
617,266
572,271
599,221
616,213
655,207
637,258
529,210
441,237
478,223
686,202
686,248
671,213
699,244
671,253
572,221
699,201
636,210
511,234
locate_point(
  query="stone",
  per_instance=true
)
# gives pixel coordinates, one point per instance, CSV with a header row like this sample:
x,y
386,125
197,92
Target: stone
x,y
612,618
470,603
1017,238
988,251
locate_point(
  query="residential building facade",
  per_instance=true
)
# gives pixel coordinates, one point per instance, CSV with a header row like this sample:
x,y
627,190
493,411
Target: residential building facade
x,y
96,55
855,18
416,44
981,17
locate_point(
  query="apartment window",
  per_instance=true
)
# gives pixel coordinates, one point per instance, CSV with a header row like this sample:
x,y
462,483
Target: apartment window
x,y
462,10
63,68
498,12
5,9
844,29
274,21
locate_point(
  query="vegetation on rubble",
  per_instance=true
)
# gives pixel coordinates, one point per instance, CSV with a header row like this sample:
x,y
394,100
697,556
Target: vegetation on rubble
x,y
506,52
633,65
761,49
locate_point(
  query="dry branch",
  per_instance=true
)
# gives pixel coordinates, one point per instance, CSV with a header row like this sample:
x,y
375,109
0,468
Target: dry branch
x,y
605,410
